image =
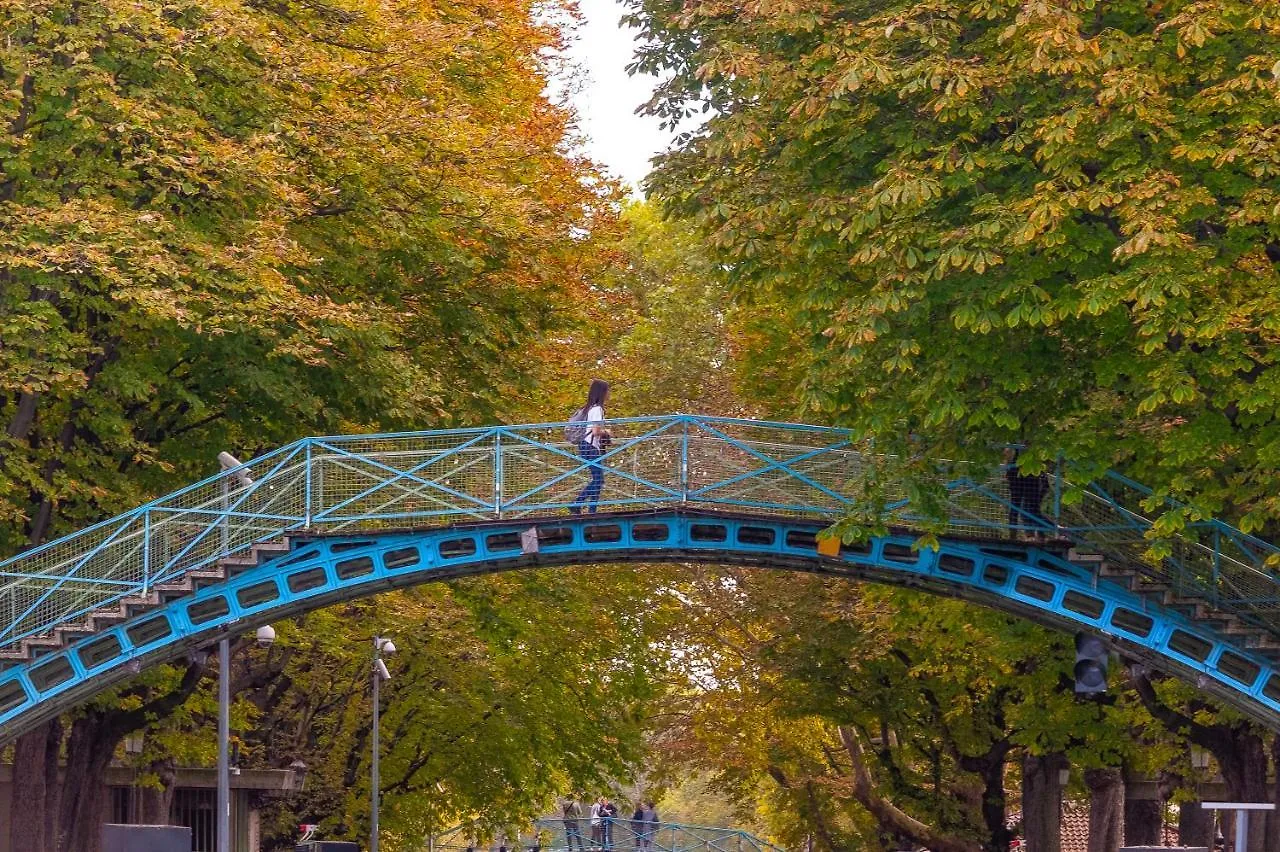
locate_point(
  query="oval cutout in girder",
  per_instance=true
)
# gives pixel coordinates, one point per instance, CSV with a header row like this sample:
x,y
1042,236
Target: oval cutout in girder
x,y
99,650
50,674
708,532
456,548
900,553
1239,669
602,534
1190,645
499,542
258,594
339,547
1132,622
351,568
857,548
146,632
803,539
1272,689
402,558
12,696
650,532
305,581
764,536
1083,604
959,566
208,609
553,536
1033,587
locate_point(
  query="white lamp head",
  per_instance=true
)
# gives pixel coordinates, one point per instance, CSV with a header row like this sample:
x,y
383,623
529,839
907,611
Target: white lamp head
x,y
230,462
266,635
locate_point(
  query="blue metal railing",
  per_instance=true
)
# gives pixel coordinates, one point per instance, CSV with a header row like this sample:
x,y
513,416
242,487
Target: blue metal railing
x,y
371,482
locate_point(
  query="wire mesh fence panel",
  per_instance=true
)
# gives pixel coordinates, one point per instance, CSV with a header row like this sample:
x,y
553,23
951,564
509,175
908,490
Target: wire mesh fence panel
x,y
543,471
791,472
375,483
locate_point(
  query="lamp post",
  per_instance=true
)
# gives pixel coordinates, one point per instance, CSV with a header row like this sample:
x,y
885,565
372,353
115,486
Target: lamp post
x,y
381,645
227,462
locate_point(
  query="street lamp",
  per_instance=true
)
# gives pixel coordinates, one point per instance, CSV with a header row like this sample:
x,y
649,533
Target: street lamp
x,y
227,462
381,645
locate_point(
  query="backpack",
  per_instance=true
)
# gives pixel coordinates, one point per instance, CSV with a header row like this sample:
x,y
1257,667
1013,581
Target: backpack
x,y
576,431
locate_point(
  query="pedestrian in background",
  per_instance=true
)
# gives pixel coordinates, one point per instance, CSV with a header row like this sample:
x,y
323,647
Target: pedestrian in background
x,y
597,823
608,813
650,823
571,813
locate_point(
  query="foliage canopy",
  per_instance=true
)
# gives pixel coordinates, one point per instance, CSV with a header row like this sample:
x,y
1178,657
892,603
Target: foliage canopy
x,y
989,221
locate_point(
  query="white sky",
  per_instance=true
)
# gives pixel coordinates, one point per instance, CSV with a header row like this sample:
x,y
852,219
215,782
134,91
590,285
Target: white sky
x,y
606,99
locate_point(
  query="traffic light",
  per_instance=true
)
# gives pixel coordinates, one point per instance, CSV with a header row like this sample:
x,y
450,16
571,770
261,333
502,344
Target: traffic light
x,y
1092,657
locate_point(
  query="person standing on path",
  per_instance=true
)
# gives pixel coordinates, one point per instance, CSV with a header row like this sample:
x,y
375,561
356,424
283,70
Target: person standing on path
x,y
594,439
597,823
637,827
650,823
571,813
608,813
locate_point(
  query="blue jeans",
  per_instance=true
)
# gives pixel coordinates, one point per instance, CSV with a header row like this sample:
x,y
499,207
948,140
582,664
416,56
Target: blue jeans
x,y
591,494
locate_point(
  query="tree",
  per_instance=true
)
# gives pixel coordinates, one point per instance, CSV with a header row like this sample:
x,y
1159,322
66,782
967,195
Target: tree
x,y
990,221
656,322
506,691
872,715
225,224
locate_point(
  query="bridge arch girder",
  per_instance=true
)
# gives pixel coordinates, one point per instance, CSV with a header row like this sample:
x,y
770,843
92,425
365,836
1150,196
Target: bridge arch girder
x,y
317,571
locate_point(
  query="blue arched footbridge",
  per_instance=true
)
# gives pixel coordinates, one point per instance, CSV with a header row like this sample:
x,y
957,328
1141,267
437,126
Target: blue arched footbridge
x,y
328,519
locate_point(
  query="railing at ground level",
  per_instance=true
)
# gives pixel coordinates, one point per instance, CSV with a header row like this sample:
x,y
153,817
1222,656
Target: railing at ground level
x,y
619,834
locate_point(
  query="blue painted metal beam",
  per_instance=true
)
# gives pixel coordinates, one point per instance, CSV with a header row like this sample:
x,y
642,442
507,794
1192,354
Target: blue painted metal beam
x,y
1018,577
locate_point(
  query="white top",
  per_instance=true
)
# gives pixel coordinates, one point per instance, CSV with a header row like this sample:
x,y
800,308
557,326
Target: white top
x,y
595,808
595,415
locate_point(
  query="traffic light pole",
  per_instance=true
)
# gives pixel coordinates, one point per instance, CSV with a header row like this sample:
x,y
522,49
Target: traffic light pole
x,y
224,735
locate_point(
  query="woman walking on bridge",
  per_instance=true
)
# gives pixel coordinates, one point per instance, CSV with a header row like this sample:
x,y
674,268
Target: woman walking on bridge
x,y
592,439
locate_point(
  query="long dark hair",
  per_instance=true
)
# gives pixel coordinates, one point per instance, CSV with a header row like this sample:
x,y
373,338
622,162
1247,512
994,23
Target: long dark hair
x,y
596,394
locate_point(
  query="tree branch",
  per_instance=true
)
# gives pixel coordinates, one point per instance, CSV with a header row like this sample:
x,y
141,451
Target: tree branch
x,y
888,815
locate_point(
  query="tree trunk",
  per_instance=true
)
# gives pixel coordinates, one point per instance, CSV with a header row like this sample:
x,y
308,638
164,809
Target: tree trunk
x,y
1272,831
1042,802
1244,772
1195,825
27,826
84,792
1106,809
53,783
158,802
1143,817
995,816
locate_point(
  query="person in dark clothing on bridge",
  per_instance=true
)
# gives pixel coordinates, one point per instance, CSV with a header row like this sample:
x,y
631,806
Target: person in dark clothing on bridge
x,y
650,817
637,827
608,813
1026,493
